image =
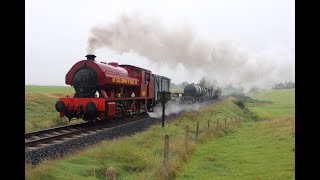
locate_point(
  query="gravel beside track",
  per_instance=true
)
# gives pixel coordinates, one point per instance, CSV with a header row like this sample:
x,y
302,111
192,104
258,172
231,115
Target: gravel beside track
x,y
34,156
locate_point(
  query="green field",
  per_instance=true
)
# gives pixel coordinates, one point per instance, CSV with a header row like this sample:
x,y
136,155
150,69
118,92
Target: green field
x,y
176,90
283,103
251,150
49,89
40,109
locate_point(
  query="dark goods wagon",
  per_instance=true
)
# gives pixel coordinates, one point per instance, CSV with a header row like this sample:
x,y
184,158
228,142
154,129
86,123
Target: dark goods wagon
x,y
196,93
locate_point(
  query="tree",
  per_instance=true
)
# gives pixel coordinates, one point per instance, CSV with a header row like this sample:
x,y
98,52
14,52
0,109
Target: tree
x,y
184,84
207,83
203,82
285,85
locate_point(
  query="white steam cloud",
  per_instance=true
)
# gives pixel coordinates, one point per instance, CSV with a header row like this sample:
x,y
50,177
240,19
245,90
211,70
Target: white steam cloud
x,y
175,108
220,61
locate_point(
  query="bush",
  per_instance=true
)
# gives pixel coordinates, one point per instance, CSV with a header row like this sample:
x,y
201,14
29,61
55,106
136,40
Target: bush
x,y
240,103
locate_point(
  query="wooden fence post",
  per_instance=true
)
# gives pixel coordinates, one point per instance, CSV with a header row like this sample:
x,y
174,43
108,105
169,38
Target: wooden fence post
x,y
166,157
111,173
197,131
217,123
208,124
186,139
225,120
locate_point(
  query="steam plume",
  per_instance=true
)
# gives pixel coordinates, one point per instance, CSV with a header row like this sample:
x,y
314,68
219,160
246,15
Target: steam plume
x,y
220,61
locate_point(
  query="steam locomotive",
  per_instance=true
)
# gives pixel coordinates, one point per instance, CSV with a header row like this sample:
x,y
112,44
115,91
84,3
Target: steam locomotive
x,y
195,92
107,91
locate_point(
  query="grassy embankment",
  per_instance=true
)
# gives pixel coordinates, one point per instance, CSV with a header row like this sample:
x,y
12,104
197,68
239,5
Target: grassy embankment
x,y
258,150
40,109
263,149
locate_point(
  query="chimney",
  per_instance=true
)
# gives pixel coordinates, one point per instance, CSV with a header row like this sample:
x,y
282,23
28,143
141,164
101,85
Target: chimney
x,y
90,57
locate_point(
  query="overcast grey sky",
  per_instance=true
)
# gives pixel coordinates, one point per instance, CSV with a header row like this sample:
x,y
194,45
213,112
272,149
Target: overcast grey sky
x,y
57,31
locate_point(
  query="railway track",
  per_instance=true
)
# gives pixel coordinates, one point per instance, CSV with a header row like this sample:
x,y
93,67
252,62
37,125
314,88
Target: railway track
x,y
45,137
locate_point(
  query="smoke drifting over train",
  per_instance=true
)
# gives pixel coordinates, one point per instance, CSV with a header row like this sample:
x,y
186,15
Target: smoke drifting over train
x,y
221,61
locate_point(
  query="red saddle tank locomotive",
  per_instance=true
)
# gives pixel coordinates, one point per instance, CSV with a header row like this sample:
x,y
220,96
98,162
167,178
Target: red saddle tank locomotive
x,y
105,91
